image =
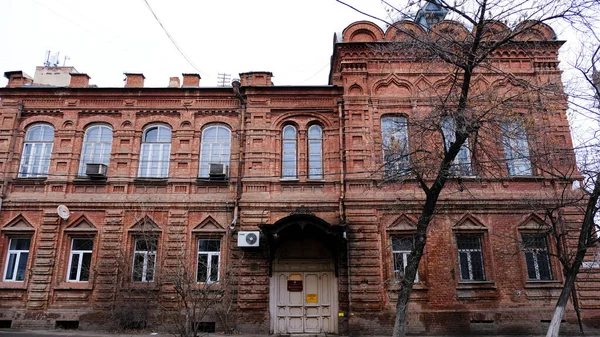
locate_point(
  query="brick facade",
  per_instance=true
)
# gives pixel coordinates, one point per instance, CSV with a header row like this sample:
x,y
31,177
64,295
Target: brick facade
x,y
354,212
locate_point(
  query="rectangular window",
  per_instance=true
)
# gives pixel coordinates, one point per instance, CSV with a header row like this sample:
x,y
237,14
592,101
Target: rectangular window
x,y
80,260
536,257
144,259
470,258
401,248
209,260
16,260
516,149
462,162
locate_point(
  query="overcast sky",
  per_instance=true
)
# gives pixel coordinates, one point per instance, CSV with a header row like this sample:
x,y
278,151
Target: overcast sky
x,y
293,39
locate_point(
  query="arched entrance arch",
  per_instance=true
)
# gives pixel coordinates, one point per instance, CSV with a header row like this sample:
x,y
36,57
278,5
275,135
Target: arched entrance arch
x,y
304,254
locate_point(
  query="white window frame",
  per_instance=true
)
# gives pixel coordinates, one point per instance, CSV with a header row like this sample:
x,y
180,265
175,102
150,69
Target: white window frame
x,y
289,148
214,151
95,151
162,148
534,253
81,253
462,162
148,259
469,257
315,159
209,257
403,254
394,142
516,148
17,266
37,151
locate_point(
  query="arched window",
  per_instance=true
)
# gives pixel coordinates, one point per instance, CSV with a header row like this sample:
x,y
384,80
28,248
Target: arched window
x,y
462,162
394,136
215,149
156,149
516,149
97,144
315,152
288,156
35,159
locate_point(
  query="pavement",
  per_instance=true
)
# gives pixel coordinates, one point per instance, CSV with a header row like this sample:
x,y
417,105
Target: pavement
x,y
82,333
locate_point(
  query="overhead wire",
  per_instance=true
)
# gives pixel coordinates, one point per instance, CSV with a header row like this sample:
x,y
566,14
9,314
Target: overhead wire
x,y
172,39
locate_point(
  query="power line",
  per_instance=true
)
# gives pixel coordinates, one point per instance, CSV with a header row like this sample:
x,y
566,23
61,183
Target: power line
x,y
172,39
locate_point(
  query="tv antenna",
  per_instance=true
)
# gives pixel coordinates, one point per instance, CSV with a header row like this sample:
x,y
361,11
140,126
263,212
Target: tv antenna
x,y
223,80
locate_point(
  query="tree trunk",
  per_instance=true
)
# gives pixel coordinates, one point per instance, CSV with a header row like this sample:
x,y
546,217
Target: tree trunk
x,y
559,310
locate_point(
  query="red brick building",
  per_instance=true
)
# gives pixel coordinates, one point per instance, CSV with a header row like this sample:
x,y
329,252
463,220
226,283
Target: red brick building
x,y
284,187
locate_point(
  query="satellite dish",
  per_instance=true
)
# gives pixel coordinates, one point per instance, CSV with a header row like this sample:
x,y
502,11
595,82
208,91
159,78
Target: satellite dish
x,y
63,212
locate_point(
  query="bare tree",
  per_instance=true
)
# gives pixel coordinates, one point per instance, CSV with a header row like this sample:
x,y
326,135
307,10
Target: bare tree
x,y
465,115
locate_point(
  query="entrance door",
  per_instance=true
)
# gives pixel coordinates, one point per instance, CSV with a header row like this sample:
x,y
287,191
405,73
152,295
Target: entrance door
x,y
310,308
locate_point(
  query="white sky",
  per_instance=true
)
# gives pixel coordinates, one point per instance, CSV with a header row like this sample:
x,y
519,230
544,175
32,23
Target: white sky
x,y
293,39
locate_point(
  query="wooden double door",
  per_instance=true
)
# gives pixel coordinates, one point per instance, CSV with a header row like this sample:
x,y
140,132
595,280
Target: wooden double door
x,y
303,301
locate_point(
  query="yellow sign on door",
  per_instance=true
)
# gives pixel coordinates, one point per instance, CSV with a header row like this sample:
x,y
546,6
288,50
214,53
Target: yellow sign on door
x,y
312,298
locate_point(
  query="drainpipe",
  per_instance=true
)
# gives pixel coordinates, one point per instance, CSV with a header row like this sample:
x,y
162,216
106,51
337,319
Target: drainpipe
x,y
342,146
241,151
342,208
11,153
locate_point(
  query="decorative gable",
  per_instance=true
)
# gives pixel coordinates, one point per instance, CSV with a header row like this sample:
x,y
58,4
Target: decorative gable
x,y
209,225
19,223
534,223
145,224
403,223
81,224
469,223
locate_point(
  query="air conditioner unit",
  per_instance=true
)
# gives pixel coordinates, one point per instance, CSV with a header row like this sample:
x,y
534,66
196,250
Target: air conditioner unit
x,y
96,170
217,170
249,239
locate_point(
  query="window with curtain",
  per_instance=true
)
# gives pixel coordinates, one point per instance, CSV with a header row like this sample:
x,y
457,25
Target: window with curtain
x,y
35,159
97,144
394,136
215,148
516,148
462,161
315,152
289,153
156,149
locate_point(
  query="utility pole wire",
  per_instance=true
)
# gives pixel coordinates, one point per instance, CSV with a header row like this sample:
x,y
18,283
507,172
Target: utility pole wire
x,y
172,39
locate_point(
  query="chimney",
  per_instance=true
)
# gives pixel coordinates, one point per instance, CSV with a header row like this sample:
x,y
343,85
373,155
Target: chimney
x,y
79,80
256,79
191,80
17,78
173,82
134,80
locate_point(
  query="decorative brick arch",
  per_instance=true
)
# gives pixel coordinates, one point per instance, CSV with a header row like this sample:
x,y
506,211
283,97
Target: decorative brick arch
x,y
362,31
393,86
534,31
448,30
405,30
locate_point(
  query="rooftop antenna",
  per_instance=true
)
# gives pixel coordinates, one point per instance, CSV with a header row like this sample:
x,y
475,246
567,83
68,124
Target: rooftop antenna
x,y
47,62
223,79
65,60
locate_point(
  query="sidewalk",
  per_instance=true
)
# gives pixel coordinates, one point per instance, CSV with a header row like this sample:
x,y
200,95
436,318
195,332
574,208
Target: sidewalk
x,y
81,333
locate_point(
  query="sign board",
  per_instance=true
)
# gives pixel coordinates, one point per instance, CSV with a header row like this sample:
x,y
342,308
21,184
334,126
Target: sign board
x,y
294,285
312,298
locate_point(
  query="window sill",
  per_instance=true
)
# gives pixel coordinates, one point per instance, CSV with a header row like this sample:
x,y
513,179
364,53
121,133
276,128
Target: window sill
x,y
16,285
203,181
141,286
150,181
83,180
316,181
290,180
533,284
86,285
31,180
418,286
475,285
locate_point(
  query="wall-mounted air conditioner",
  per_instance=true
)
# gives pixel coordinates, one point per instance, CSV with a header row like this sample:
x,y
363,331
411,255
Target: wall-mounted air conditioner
x,y
96,170
217,170
249,239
